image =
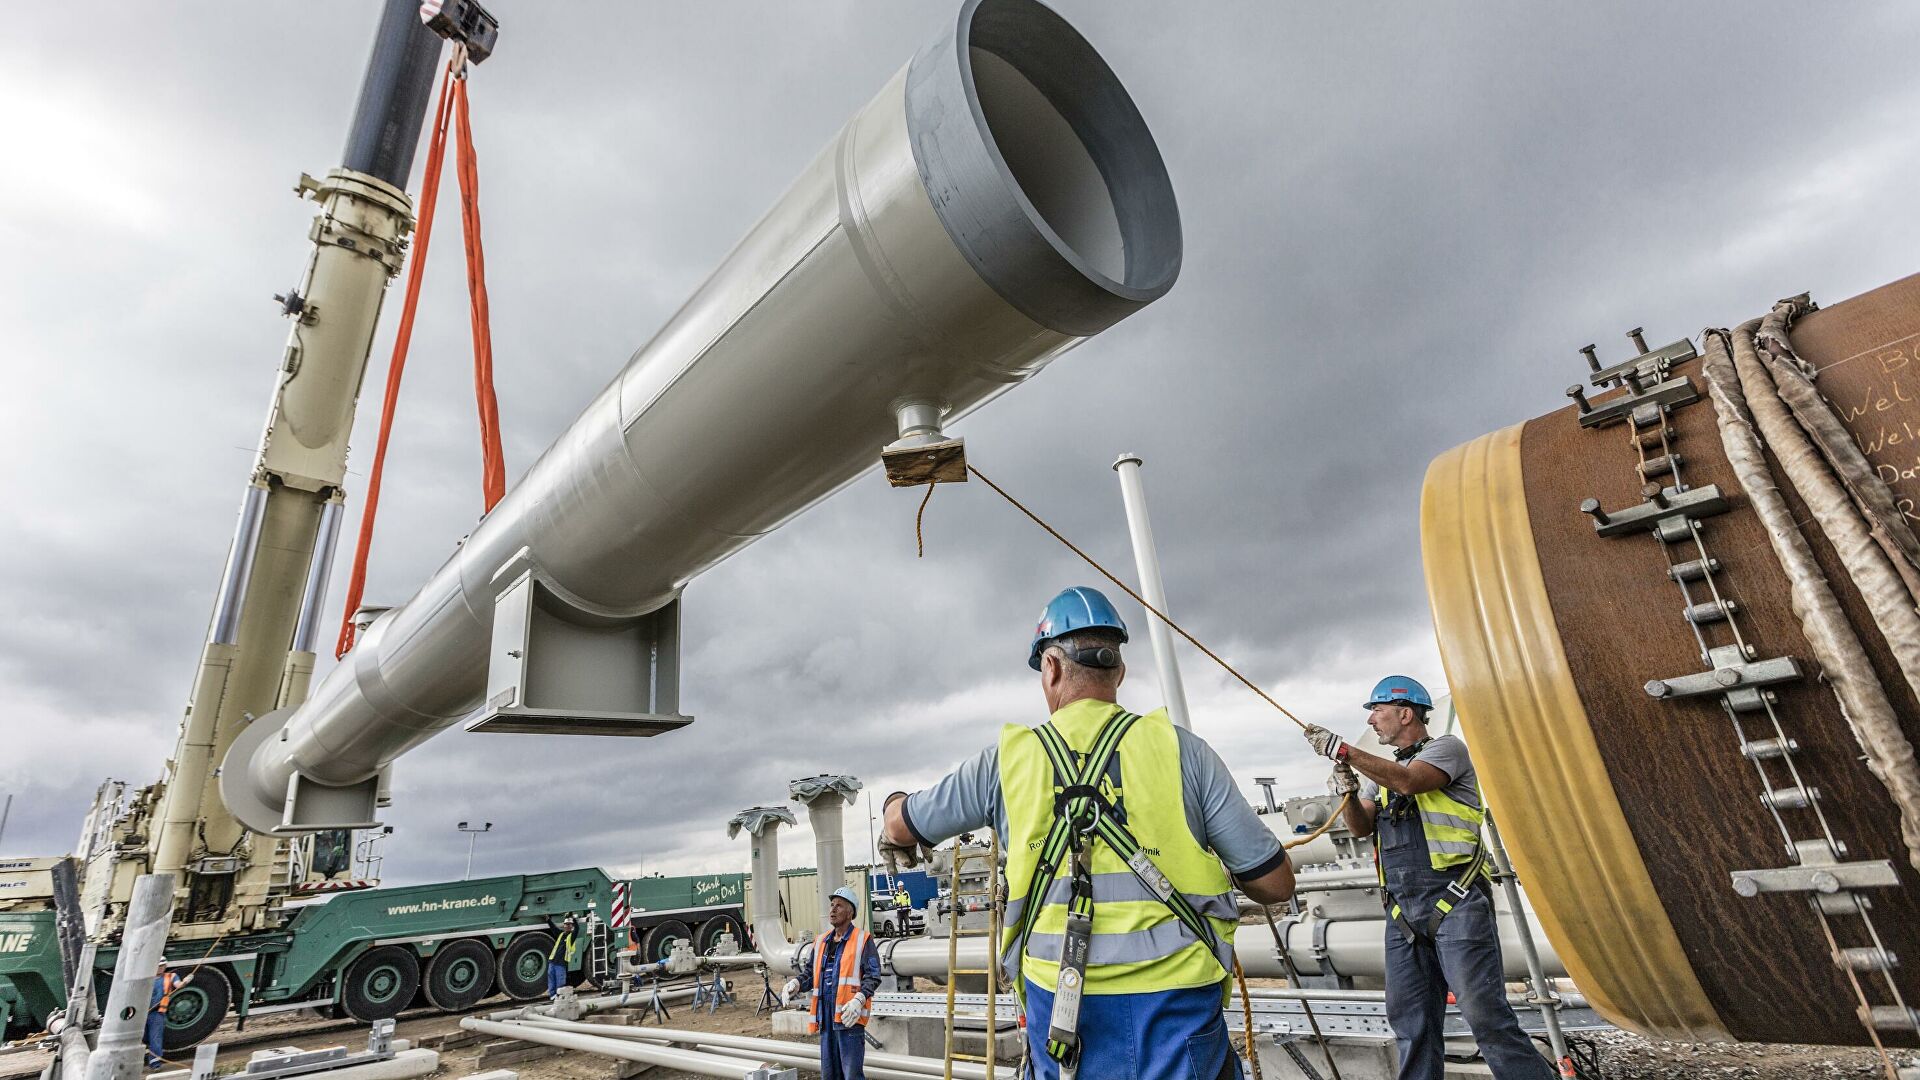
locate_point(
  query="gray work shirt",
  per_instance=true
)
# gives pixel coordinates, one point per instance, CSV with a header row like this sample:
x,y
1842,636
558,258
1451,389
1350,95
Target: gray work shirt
x,y
1448,754
969,798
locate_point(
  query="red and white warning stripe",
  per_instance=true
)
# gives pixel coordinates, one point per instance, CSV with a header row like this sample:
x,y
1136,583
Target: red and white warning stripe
x,y
336,885
620,905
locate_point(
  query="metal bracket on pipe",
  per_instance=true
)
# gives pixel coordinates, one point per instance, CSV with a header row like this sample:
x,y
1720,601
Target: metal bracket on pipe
x,y
1732,675
557,666
1649,365
1650,516
1669,394
1819,871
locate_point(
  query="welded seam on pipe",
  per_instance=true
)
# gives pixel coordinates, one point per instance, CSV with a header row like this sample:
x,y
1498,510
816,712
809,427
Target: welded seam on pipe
x,y
1751,416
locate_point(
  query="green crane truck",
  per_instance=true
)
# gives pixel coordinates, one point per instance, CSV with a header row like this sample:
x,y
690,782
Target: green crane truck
x,y
366,955
372,953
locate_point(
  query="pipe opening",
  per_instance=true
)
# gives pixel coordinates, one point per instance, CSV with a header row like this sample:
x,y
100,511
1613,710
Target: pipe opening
x,y
1073,142
1056,192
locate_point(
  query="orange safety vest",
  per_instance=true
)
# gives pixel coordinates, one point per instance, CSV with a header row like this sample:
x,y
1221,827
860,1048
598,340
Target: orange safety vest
x,y
848,983
169,982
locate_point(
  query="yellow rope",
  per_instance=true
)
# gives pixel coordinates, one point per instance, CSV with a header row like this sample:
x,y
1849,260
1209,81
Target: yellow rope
x,y
1124,587
1246,1012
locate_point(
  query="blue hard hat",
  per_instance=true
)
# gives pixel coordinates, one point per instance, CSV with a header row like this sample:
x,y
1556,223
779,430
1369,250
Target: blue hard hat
x,y
1078,608
1399,690
845,892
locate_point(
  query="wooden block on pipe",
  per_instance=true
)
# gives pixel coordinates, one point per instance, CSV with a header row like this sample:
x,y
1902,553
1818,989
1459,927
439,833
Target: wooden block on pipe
x,y
624,1019
508,1052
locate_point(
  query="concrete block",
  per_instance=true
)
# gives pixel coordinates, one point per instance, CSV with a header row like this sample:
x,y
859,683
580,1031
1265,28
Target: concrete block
x,y
789,1023
624,1069
494,1074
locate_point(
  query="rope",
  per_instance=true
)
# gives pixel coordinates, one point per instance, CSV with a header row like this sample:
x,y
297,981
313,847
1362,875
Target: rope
x,y
1124,587
919,543
423,234
1246,1014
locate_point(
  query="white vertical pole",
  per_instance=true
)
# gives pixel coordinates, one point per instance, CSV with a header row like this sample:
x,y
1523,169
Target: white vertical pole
x,y
120,1052
1146,560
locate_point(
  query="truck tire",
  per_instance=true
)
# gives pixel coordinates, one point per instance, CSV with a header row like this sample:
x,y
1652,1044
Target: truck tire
x,y
522,967
710,931
197,1008
660,938
380,984
460,974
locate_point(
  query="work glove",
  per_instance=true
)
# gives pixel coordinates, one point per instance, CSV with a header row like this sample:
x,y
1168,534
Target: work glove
x,y
1324,742
850,1012
1344,780
907,855
787,992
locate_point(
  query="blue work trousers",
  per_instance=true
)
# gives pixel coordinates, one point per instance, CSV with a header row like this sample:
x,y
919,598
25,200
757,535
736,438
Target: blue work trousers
x,y
1170,1035
843,1053
1464,956
156,1034
556,977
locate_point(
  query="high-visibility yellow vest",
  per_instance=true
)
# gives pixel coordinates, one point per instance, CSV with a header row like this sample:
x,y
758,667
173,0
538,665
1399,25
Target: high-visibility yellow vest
x,y
1139,945
1451,828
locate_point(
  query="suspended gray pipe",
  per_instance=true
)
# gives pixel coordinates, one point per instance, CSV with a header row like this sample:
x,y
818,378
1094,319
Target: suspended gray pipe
x,y
1000,200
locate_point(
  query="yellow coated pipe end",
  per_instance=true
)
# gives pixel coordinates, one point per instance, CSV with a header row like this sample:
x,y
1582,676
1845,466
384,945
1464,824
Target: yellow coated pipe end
x,y
1535,752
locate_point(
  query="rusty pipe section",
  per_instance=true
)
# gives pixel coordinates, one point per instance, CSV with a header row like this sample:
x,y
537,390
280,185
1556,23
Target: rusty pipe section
x,y
1000,200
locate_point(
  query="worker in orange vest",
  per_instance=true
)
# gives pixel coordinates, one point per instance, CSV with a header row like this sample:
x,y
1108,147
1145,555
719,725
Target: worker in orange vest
x,y
164,984
842,978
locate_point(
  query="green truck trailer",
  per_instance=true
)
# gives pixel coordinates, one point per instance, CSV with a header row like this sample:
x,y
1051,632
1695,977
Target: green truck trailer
x,y
368,955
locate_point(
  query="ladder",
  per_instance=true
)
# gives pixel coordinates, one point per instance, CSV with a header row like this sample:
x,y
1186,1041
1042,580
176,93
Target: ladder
x,y
956,909
599,952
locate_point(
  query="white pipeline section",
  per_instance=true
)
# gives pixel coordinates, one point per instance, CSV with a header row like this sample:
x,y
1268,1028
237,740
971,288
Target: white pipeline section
x,y
645,1053
1146,560
801,1054
825,797
769,933
120,1051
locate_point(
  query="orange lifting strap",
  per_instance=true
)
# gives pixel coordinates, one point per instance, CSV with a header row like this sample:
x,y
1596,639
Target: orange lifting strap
x,y
493,477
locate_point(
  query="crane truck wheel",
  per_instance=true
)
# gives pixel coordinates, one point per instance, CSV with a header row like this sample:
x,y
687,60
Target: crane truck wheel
x,y
660,938
710,932
523,966
380,984
197,1008
460,974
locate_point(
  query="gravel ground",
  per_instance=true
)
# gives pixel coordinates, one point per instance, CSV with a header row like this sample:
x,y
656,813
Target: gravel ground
x,y
1625,1056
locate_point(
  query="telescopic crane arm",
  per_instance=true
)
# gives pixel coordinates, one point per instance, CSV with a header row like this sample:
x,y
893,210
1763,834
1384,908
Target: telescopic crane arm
x,y
259,653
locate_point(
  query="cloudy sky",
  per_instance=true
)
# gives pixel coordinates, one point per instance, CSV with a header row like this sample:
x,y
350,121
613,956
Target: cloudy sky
x,y
1401,222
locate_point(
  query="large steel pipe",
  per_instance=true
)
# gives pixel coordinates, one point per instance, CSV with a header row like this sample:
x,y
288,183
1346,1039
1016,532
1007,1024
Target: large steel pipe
x,y
998,201
1627,609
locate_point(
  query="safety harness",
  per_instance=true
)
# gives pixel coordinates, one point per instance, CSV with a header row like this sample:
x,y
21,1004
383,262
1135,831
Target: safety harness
x,y
1399,807
1082,813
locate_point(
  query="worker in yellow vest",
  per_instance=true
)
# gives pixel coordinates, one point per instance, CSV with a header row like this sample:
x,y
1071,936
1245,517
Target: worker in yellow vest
x,y
840,982
1120,913
1441,931
560,957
